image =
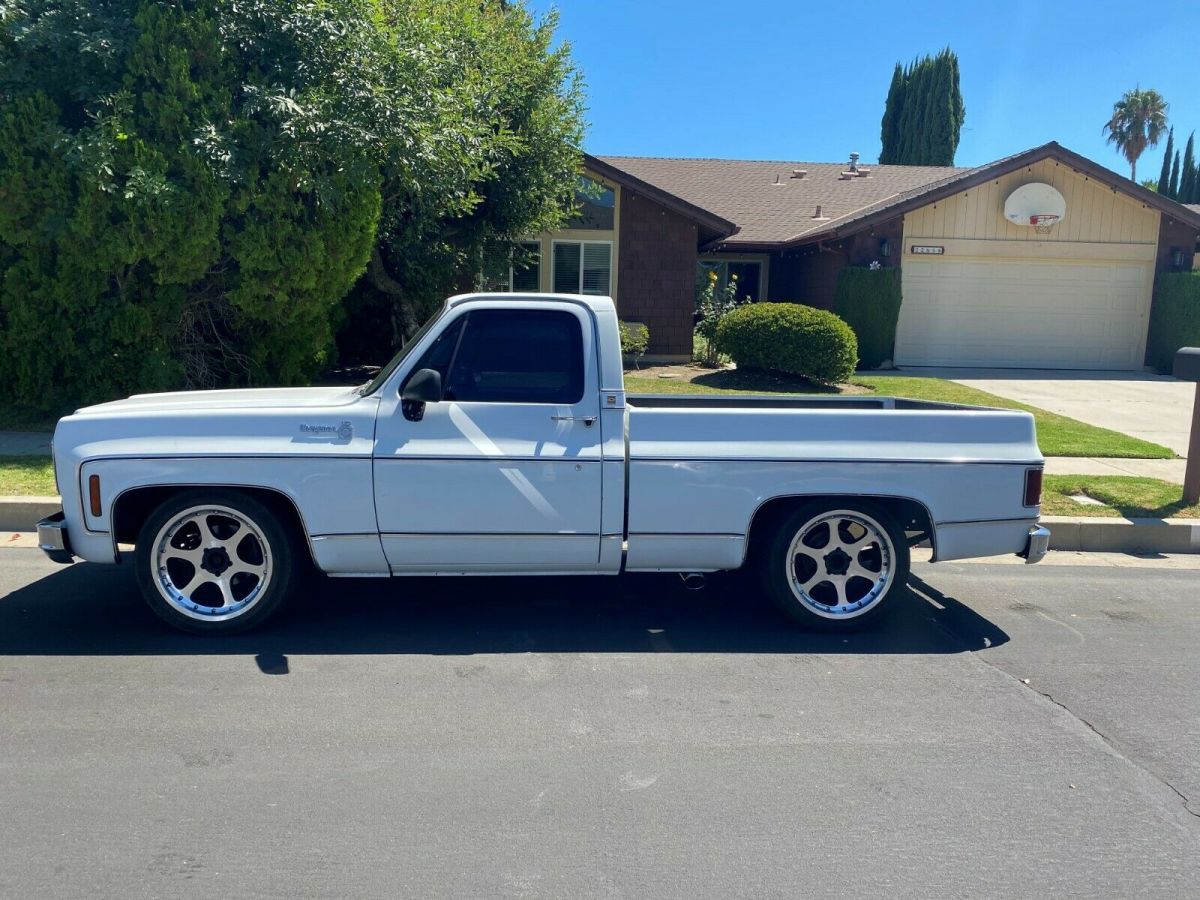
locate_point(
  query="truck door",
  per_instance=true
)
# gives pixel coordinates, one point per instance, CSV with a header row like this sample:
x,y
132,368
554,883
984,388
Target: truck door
x,y
504,474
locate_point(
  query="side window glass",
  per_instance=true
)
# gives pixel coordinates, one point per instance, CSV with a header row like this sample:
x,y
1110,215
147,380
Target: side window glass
x,y
440,353
518,356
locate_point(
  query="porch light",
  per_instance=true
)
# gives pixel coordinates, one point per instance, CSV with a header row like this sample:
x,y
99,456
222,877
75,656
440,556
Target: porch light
x,y
1177,257
885,247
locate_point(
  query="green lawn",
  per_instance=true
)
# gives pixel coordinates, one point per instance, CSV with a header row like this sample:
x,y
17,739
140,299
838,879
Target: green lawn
x,y
1057,435
26,475
1123,495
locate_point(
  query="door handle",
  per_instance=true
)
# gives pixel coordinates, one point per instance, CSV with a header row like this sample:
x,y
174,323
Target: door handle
x,y
588,421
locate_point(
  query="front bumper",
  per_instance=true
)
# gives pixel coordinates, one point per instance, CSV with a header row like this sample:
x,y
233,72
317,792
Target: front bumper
x,y
1036,545
53,539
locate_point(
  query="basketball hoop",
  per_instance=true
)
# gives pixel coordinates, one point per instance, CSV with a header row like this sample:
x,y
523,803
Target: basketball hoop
x,y
1043,222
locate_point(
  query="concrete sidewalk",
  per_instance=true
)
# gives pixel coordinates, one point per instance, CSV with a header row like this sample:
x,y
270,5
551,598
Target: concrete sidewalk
x,y
25,443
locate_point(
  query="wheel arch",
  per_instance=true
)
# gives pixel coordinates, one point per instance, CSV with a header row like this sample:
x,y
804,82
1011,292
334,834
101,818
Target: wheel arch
x,y
910,513
133,506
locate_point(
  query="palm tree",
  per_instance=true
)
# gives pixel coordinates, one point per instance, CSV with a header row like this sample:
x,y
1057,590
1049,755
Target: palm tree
x,y
1138,120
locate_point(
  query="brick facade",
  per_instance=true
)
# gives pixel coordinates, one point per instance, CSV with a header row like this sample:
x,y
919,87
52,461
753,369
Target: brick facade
x,y
656,273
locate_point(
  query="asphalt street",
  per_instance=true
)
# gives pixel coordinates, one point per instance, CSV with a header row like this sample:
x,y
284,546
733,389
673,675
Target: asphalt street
x,y
1013,732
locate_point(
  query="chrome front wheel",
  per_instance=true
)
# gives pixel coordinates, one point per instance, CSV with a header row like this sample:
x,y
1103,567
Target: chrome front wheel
x,y
214,561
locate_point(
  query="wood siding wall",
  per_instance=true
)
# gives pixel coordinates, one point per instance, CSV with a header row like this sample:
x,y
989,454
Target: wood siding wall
x,y
1174,235
1095,213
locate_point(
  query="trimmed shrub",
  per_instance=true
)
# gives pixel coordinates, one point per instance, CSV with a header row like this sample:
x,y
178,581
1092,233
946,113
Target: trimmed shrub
x,y
787,337
869,302
1175,318
635,338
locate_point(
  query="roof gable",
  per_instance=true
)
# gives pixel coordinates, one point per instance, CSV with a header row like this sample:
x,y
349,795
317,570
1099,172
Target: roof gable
x,y
769,204
774,208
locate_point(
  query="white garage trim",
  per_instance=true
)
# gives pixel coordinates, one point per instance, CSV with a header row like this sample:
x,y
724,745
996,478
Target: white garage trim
x,y
1084,250
1001,308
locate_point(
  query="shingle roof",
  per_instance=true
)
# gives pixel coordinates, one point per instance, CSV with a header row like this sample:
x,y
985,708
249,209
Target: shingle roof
x,y
763,198
770,207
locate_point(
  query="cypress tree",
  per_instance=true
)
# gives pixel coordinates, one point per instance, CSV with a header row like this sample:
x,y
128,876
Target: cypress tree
x,y
1174,182
1187,175
889,128
924,112
910,115
1164,177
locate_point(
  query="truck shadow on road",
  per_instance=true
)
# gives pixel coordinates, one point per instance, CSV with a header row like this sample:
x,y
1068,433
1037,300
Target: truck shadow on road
x,y
97,610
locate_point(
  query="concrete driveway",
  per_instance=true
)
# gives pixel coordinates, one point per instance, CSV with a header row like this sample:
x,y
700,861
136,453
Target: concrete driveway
x,y
1152,407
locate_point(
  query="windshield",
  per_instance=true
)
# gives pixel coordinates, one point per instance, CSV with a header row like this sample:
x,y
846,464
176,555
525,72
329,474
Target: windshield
x,y
377,382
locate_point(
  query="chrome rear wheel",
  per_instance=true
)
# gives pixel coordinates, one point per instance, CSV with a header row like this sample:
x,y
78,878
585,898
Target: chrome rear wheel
x,y
840,563
835,566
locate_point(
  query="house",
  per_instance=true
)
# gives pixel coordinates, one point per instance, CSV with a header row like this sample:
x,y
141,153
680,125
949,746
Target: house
x,y
978,289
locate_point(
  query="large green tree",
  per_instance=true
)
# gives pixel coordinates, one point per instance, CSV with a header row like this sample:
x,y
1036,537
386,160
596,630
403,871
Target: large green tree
x,y
924,112
1138,121
514,103
188,190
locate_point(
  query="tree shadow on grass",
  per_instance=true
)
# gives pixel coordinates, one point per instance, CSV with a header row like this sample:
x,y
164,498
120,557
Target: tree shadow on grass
x,y
96,610
764,382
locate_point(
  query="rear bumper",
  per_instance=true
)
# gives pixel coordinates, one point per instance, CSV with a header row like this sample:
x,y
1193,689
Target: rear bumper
x,y
1036,545
53,539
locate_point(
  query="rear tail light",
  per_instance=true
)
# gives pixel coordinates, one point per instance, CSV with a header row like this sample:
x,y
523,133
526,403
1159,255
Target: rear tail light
x,y
1033,487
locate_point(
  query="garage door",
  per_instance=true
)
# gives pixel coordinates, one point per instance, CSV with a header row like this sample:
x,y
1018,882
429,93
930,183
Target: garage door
x,y
1022,313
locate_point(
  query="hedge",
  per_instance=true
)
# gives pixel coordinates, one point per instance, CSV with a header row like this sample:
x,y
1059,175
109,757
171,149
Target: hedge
x,y
635,338
869,302
787,337
1174,319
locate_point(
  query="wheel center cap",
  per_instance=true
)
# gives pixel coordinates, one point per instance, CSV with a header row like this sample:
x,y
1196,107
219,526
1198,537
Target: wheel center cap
x,y
215,561
837,562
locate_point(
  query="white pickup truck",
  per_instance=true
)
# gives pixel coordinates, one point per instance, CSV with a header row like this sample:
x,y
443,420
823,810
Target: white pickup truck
x,y
500,440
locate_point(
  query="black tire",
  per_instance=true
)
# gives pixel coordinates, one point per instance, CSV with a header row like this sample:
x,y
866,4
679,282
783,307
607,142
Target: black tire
x,y
195,610
819,609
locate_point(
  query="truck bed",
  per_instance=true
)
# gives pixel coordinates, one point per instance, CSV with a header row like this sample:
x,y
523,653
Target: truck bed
x,y
701,466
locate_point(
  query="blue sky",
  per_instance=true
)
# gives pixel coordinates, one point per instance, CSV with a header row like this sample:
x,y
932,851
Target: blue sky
x,y
767,79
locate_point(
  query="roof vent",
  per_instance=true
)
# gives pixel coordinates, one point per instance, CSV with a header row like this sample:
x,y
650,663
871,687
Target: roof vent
x,y
799,173
854,163
817,214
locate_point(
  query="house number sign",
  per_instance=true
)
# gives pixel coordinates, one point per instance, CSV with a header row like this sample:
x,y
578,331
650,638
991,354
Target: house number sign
x,y
928,250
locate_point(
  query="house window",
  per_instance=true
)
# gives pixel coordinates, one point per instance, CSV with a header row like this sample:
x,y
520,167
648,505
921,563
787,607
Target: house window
x,y
516,268
747,272
582,267
596,206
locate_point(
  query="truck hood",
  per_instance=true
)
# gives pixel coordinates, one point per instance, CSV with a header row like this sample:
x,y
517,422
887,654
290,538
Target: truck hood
x,y
248,398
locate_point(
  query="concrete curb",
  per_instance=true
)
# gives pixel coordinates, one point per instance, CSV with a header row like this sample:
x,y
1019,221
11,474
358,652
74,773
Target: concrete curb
x,y
23,513
1083,533
1123,535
